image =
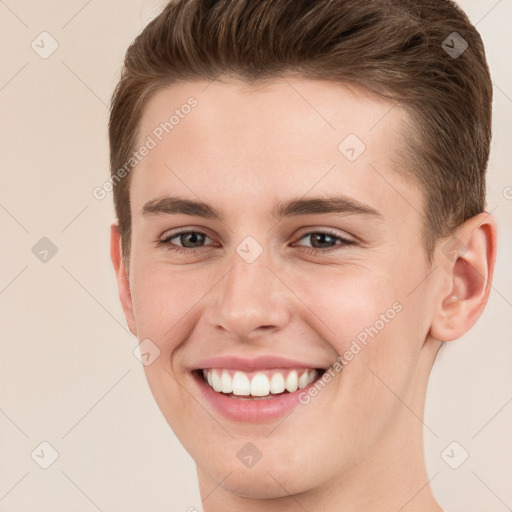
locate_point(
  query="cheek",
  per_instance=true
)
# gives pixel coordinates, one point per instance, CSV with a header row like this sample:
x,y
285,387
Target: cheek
x,y
370,321
347,301
164,298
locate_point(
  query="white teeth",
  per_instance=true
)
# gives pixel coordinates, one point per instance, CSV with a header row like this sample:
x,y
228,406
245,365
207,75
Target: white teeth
x,y
292,382
277,383
217,382
259,385
241,384
304,380
227,382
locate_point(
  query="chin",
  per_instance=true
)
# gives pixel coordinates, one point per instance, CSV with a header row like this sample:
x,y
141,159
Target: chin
x,y
261,485
269,478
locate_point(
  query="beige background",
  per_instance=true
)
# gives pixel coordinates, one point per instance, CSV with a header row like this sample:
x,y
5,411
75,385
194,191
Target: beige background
x,y
67,372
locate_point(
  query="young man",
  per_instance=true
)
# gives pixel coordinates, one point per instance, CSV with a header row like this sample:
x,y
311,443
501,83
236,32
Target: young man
x,y
300,193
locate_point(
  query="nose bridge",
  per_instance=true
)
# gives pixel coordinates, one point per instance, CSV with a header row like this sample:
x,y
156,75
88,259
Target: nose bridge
x,y
250,299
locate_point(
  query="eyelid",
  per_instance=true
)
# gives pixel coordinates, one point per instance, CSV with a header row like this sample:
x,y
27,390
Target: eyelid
x,y
335,234
170,234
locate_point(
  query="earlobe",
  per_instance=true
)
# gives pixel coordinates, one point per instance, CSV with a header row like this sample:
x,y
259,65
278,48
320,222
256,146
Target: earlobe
x,y
123,283
467,259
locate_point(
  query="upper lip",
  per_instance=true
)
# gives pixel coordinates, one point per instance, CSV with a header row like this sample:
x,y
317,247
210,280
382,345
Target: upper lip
x,y
251,365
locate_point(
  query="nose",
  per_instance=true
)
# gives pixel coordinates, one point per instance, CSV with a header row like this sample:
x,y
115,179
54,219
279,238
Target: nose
x,y
250,301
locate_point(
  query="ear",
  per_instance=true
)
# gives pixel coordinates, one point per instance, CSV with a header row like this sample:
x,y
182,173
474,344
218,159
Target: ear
x,y
123,283
467,259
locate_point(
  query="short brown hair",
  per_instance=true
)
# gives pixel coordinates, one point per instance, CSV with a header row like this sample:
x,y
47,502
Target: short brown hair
x,y
398,49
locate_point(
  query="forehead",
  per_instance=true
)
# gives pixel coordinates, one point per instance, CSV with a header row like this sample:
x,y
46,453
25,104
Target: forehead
x,y
278,138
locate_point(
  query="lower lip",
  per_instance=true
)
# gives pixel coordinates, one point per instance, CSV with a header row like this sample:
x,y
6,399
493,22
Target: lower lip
x,y
251,410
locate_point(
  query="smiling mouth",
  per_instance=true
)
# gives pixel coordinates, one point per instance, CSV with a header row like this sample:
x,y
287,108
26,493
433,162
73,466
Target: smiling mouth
x,y
263,384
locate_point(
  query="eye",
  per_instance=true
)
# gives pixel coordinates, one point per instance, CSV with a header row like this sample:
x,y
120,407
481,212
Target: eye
x,y
184,241
188,241
321,241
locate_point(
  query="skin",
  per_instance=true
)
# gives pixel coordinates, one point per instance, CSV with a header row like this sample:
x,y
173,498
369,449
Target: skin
x,y
357,445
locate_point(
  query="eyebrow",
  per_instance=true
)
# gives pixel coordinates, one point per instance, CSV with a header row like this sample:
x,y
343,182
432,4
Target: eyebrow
x,y
172,205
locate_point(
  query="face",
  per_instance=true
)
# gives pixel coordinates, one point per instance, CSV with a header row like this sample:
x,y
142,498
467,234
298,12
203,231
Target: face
x,y
276,244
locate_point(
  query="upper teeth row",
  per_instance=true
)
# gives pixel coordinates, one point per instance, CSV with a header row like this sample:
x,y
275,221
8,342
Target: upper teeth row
x,y
260,384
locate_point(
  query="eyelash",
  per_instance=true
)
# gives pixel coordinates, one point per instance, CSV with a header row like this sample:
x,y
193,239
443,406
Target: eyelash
x,y
166,242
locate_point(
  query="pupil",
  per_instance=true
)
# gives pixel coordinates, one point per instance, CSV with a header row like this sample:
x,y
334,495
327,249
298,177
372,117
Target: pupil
x,y
319,240
191,238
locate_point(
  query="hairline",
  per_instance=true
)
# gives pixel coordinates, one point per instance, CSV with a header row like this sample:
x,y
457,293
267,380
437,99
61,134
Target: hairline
x,y
403,159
